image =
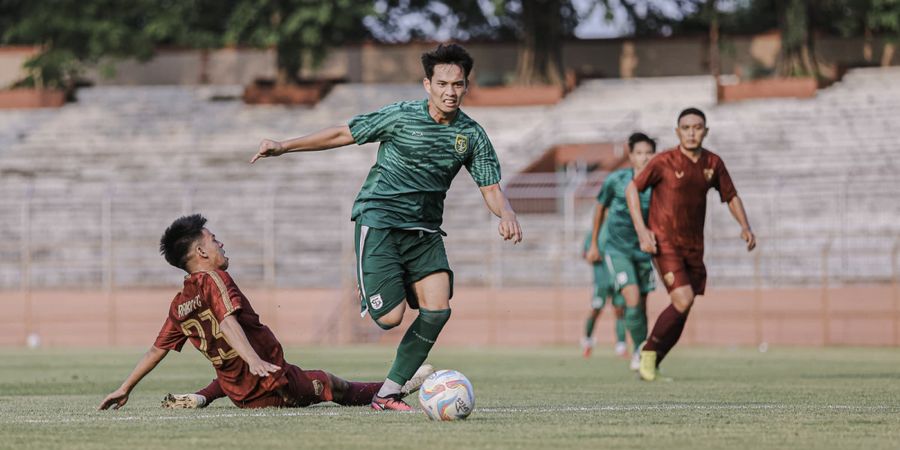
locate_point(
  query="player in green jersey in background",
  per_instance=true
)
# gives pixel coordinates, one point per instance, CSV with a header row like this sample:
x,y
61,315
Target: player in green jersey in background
x,y
399,210
603,292
630,269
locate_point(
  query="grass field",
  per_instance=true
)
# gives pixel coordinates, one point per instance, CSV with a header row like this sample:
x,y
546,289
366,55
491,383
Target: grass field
x,y
526,398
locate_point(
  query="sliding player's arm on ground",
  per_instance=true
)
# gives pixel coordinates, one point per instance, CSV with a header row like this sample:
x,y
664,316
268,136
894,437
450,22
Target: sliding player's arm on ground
x,y
237,339
328,138
497,202
148,362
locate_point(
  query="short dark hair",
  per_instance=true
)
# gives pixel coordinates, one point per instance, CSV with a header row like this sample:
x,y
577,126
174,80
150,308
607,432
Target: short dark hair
x,y
177,240
691,112
640,137
447,54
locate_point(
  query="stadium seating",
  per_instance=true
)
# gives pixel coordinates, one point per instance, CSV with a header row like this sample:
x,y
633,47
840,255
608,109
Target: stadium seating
x,y
88,188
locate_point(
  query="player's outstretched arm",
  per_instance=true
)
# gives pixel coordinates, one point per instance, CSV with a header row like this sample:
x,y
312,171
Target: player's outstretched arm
x,y
237,339
645,235
497,202
117,399
736,206
332,137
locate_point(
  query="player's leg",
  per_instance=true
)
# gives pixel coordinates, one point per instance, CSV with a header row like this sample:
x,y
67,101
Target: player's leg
x,y
618,278
683,300
621,347
598,300
673,271
200,399
430,290
636,306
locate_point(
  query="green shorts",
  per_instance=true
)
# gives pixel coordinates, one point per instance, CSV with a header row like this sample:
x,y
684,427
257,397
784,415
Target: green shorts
x,y
604,289
389,261
624,271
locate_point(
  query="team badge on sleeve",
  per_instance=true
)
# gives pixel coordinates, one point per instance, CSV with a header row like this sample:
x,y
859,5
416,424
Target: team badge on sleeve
x,y
462,143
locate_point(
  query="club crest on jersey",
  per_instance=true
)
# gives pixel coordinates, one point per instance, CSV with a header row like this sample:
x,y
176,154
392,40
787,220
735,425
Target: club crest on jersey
x,y
708,173
462,144
679,174
669,277
376,301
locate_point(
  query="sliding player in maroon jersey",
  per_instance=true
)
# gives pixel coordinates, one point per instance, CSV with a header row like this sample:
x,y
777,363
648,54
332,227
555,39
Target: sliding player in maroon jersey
x,y
213,313
680,178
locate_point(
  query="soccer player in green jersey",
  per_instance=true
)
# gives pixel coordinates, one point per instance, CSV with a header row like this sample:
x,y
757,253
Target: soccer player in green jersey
x,y
602,293
399,210
630,269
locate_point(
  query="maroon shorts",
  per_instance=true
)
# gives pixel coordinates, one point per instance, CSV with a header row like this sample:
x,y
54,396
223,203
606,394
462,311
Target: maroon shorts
x,y
681,267
303,388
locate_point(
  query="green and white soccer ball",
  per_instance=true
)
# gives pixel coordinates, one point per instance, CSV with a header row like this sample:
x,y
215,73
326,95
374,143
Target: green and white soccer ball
x,y
447,395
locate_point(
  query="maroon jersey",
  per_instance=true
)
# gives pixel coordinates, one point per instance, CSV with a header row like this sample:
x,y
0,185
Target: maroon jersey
x,y
678,205
206,299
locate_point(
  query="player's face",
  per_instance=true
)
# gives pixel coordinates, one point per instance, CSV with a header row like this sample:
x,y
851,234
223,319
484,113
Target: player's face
x,y
640,155
691,131
446,87
214,250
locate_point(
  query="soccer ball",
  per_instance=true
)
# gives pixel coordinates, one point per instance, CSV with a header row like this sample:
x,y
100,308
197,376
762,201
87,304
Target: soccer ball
x,y
447,395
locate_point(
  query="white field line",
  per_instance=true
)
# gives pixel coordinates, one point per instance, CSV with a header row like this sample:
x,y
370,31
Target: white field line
x,y
333,411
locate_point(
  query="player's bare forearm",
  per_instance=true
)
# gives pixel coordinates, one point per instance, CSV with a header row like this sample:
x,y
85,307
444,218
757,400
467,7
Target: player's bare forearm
x,y
593,253
645,236
498,204
327,138
145,365
633,199
736,206
237,339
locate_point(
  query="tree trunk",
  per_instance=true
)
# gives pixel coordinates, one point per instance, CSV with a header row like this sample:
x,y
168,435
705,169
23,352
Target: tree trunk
x,y
540,50
797,58
289,61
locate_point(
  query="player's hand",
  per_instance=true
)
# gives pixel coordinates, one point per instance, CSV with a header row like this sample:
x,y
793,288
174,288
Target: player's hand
x,y
509,228
593,253
262,368
268,148
114,400
748,237
648,241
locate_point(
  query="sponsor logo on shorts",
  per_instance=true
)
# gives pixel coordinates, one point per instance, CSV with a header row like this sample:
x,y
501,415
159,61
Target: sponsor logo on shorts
x,y
708,173
462,144
376,301
621,278
669,278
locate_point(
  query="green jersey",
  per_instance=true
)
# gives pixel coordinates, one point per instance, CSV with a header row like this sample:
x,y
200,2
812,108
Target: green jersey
x,y
417,160
622,238
602,237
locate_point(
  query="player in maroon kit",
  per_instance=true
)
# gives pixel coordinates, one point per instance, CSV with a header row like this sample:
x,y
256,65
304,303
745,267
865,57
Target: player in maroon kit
x,y
218,319
680,178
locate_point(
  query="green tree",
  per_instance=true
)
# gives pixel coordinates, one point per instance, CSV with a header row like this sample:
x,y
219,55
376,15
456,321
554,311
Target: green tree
x,y
301,31
73,34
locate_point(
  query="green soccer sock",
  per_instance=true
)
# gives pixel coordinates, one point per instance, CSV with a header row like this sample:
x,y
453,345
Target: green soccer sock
x,y
620,329
416,343
636,322
589,326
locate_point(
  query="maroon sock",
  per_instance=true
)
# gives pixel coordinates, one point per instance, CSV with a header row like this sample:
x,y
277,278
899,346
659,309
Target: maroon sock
x,y
359,394
212,392
666,331
671,338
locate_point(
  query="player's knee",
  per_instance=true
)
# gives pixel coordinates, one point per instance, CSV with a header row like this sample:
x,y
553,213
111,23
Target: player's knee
x,y
435,317
386,323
